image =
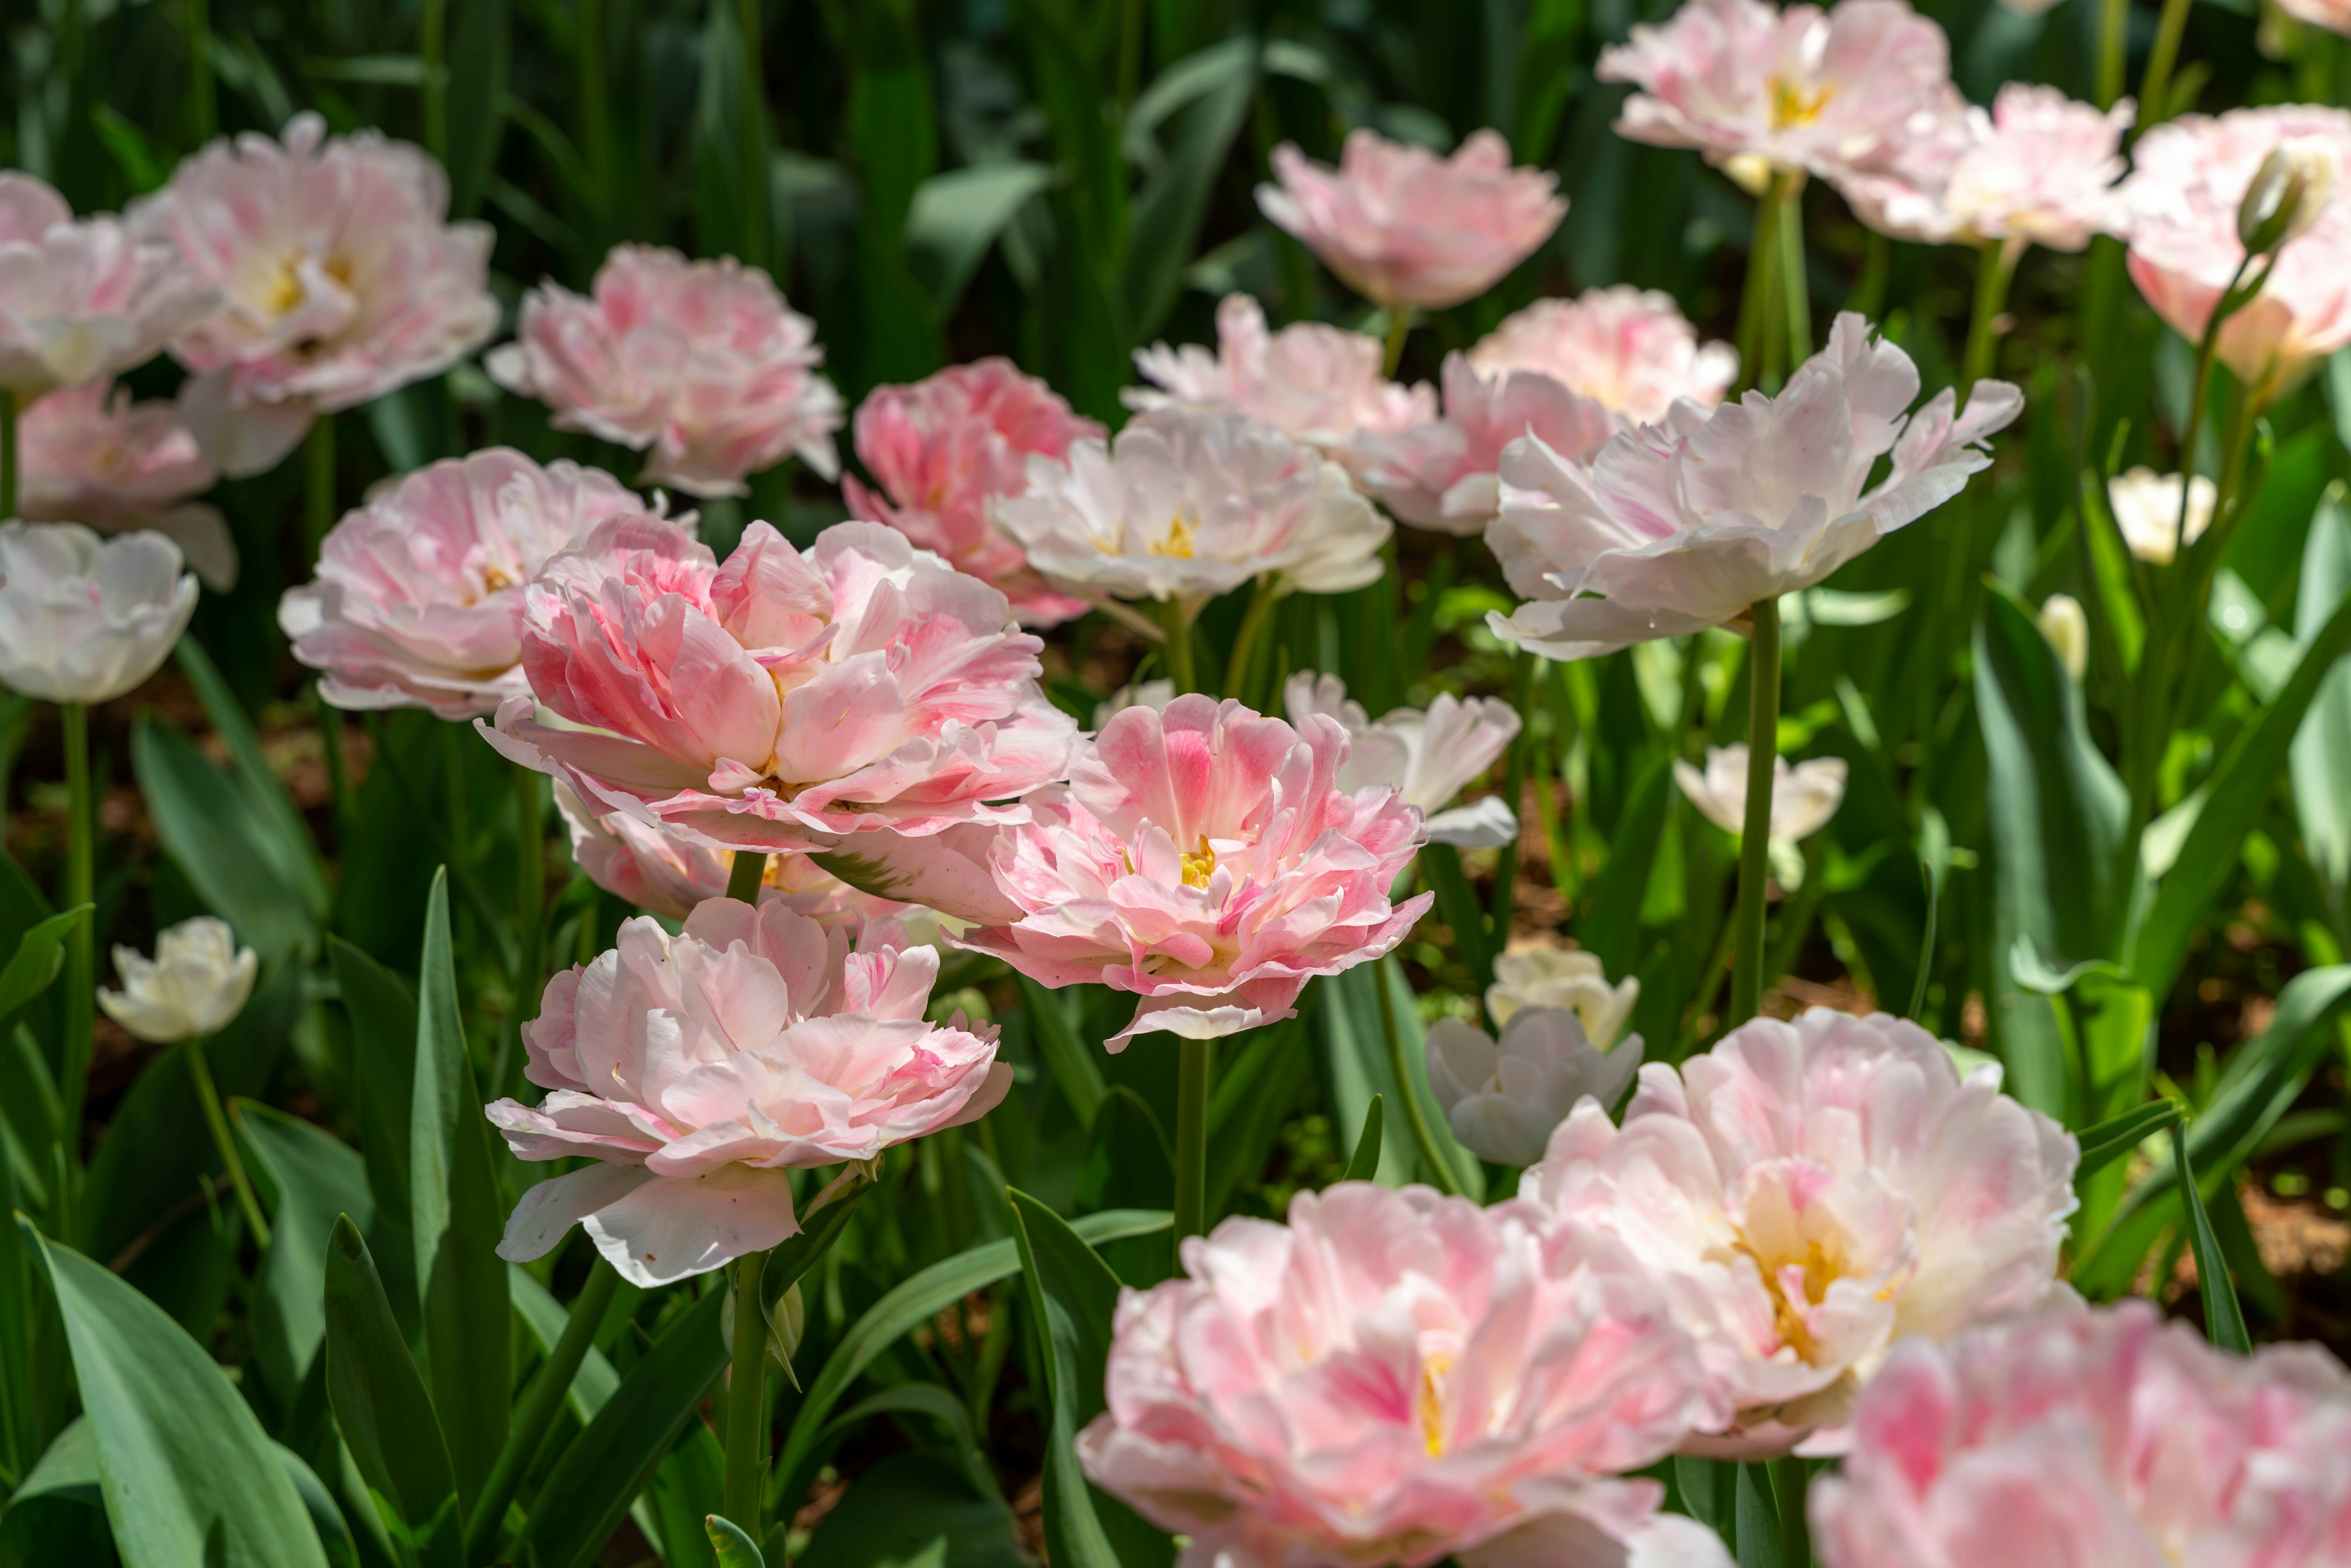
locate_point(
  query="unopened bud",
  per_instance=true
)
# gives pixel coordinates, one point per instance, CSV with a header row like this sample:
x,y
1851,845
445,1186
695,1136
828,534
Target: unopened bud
x,y
2068,631
2289,194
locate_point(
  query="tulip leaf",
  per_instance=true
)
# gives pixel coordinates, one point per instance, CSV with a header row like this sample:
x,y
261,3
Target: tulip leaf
x,y
733,1548
1067,1058
1613,930
2320,758
954,218
1758,1518
40,954
2224,1320
2116,1137
478,60
380,1403
1203,98
315,1176
544,1319
231,851
56,1514
1365,1163
289,837
914,1510
383,1015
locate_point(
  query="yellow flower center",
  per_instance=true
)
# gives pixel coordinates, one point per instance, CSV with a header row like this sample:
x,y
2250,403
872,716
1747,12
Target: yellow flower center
x,y
1433,1371
286,291
1178,542
1200,864
1792,106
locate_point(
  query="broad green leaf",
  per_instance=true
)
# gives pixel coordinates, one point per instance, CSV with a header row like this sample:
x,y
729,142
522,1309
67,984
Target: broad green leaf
x,y
326,1514
1355,1068
315,1176
730,143
383,1016
2320,758
289,837
231,852
477,85
2224,1320
914,1510
941,1406
954,218
1758,1518
1365,1163
35,964
544,1319
381,1407
187,1475
57,1514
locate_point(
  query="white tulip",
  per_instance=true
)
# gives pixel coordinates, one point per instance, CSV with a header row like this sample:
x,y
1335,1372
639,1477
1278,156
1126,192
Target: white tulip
x,y
1503,1099
1803,797
1427,758
1562,977
195,984
85,619
2145,504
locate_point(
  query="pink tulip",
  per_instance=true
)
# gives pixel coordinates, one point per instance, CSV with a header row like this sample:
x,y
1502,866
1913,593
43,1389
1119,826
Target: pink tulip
x,y
2188,179
1396,1377
1427,756
700,361
342,276
1812,1192
945,447
1206,861
80,301
2334,16
2039,168
1757,88
89,455
1405,227
2086,1437
779,701
1317,384
1629,350
698,1070
418,601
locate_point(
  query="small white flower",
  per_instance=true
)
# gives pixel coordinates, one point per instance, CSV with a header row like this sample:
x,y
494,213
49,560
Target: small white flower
x,y
2068,630
1502,1100
195,984
85,619
1803,797
2145,504
1562,977
1427,758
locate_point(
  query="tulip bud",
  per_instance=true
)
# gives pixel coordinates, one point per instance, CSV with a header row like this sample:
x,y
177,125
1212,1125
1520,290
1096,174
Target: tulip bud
x,y
2068,631
2289,192
195,984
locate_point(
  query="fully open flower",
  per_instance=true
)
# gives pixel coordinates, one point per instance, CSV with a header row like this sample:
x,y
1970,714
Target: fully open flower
x,y
1427,758
1814,1192
1631,350
1755,87
418,601
80,301
1675,527
945,447
779,701
1502,1098
1318,384
1207,861
700,1070
1803,797
85,619
1394,1378
1186,504
2085,1436
2147,511
701,362
2189,177
1562,977
2040,167
1405,227
196,983
343,276
89,455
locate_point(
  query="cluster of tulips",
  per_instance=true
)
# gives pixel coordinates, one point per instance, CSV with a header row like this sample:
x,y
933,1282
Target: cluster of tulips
x,y
815,768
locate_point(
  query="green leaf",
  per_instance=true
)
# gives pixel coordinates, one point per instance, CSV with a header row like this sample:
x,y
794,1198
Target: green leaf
x,y
39,956
1613,930
316,1177
326,1514
1365,1163
2116,1137
456,1218
380,1407
2224,1320
289,837
230,851
914,1510
1067,1056
477,87
734,1549
956,216
1216,86
941,1406
1758,1518
2320,758
383,1016
187,1475
57,1514
544,1319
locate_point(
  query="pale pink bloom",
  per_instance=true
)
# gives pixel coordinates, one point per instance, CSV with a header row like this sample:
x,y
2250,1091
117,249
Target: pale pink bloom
x,y
702,363
1206,861
418,600
1405,227
2188,178
779,701
1427,758
1396,1377
1570,978
2333,14
1503,1097
1629,350
945,447
1757,88
89,455
1318,384
2039,168
1675,527
2094,1437
80,301
1804,796
1813,1192
85,619
698,1070
342,276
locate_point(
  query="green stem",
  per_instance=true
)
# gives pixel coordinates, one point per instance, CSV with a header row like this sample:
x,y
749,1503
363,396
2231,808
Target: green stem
x,y
539,1408
1130,51
1399,329
7,453
1195,1067
757,229
2114,28
199,1071
1424,1136
1755,837
1177,655
1754,298
595,110
432,30
1794,281
746,1406
81,964
1995,266
1790,1477
1236,669
203,111
339,769
744,876
2156,86
318,474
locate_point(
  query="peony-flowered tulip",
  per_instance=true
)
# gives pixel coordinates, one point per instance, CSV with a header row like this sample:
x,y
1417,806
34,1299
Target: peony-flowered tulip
x,y
85,619
1407,228
418,600
195,984
2039,168
89,455
1629,350
1562,977
341,276
1676,528
1206,861
1803,797
699,1071
699,364
1757,88
779,701
1315,383
1502,1098
943,448
2086,1436
1184,505
1813,1192
2067,626
2189,181
1394,1378
2146,508
82,300
1427,758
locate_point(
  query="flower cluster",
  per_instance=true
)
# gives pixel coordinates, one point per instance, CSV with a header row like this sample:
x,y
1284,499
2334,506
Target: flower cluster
x,y
80,301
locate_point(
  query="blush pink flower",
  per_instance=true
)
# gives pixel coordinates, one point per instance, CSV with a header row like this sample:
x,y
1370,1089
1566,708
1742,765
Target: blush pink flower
x,y
342,276
943,448
1407,228
2334,16
1394,1378
1320,385
1427,756
779,701
2087,1438
2188,178
80,301
2040,168
1813,1192
89,455
1675,527
418,600
1206,861
698,1070
701,364
1629,350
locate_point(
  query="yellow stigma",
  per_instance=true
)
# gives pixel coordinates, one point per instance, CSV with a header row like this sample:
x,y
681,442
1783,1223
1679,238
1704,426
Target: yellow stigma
x,y
286,291
1820,1270
1432,1400
1200,864
1178,542
1792,106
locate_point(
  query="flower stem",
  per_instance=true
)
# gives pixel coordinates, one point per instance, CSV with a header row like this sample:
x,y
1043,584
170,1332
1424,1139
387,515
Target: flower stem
x,y
1440,1173
199,1071
1194,1066
1794,282
1399,329
1790,1479
744,877
1236,669
431,33
319,475
1755,837
746,1406
7,453
2114,28
1995,266
2156,86
81,966
1178,646
204,113
1762,252
539,1408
